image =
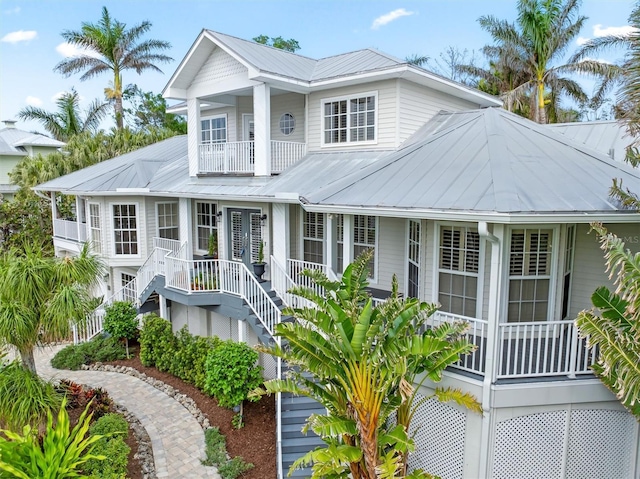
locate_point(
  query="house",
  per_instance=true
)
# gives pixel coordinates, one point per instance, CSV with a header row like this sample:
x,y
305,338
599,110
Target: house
x,y
16,144
471,206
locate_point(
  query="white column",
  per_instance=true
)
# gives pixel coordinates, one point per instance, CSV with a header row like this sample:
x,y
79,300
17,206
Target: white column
x,y
262,129
164,313
79,217
242,331
330,241
281,231
186,222
193,134
347,246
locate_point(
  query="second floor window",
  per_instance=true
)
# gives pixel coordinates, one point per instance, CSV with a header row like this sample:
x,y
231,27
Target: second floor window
x,y
168,221
214,130
125,229
349,120
95,232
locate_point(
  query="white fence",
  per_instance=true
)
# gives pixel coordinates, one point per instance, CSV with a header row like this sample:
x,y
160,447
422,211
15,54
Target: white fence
x,y
285,153
71,230
238,156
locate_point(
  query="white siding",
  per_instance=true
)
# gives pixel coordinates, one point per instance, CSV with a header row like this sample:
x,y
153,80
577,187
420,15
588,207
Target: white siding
x,y
243,107
386,113
418,104
295,213
289,103
391,252
219,65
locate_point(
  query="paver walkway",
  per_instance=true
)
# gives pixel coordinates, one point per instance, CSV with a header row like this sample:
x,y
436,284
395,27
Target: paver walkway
x,y
176,437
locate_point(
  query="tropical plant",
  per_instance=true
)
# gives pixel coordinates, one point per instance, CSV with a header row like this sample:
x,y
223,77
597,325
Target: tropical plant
x,y
613,325
61,455
359,362
99,349
111,47
212,245
121,321
216,452
40,297
68,120
190,356
149,110
26,219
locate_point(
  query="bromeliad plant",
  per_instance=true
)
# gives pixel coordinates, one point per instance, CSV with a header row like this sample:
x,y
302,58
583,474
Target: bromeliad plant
x,y
364,361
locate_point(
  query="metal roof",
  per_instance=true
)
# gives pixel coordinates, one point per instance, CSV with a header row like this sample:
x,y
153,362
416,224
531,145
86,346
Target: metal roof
x,y
608,137
13,139
486,160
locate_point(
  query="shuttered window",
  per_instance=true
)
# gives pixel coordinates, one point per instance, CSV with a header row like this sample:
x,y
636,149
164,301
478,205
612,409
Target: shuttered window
x,y
313,237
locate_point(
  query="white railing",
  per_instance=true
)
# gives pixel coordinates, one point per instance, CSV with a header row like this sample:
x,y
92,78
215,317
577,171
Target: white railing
x,y
549,348
285,153
166,243
228,157
296,267
282,283
71,230
153,266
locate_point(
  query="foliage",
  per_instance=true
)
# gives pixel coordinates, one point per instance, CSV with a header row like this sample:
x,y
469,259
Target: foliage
x,y
99,349
232,372
149,111
120,320
68,120
260,252
78,396
40,297
26,219
61,455
204,281
212,244
25,398
216,452
190,357
290,45
448,63
113,429
360,363
157,342
613,325
112,48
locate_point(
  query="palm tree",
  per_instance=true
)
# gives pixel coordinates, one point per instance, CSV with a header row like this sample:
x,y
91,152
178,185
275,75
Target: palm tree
x,y
41,296
112,48
363,361
541,36
68,120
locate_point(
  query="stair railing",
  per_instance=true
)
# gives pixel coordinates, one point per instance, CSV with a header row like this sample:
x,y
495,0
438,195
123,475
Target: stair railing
x,y
282,284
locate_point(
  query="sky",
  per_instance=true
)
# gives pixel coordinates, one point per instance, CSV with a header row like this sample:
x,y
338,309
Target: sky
x,y
31,44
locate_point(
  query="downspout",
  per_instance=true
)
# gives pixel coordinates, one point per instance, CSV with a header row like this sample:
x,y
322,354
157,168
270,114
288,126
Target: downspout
x,y
491,348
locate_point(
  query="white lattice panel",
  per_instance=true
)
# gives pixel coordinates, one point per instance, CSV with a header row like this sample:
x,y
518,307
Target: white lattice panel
x,y
270,365
439,436
224,328
530,447
601,444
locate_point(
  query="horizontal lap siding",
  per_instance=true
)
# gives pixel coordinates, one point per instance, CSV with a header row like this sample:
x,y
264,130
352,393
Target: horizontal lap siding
x,y
391,252
386,111
292,103
419,104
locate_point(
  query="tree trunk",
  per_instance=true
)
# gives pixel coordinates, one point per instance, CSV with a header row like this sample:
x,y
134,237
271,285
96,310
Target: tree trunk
x,y
542,117
118,111
28,360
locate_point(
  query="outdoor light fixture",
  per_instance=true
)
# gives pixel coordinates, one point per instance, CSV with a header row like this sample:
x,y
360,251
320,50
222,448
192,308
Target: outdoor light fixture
x,y
219,214
263,218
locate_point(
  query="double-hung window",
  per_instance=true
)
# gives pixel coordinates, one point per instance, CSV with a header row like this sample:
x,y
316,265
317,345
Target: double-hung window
x,y
459,261
168,221
206,223
529,275
125,229
313,237
95,233
413,259
364,238
214,129
350,119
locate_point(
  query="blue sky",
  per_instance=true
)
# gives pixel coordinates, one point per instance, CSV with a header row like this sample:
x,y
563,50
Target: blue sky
x,y
31,45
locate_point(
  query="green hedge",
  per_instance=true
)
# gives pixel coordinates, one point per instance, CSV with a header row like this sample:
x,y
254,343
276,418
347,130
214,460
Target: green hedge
x,y
114,429
99,349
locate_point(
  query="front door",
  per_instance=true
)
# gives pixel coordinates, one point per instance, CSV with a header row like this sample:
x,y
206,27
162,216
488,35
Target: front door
x,y
247,127
245,235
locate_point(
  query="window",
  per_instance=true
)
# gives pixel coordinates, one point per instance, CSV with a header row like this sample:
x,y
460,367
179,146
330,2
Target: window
x,y
349,120
313,237
214,130
125,229
128,287
413,273
364,238
168,221
206,223
340,243
568,269
459,258
95,233
287,124
529,275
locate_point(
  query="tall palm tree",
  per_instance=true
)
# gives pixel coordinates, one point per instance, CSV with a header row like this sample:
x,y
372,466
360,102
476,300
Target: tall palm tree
x,y
68,120
40,296
112,48
540,37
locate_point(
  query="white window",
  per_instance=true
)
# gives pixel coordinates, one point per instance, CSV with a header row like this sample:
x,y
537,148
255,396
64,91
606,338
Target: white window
x,y
413,259
128,287
349,120
168,221
568,270
313,237
459,255
214,129
125,229
95,233
529,275
364,238
287,124
206,223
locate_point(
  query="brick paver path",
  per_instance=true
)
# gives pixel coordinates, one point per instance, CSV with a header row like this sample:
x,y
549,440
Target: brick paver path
x,y
176,437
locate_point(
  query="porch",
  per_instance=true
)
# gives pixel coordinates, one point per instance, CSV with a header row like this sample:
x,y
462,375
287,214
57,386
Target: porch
x,y
238,157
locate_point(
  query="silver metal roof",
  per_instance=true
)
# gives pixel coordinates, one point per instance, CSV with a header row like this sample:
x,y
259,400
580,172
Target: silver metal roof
x,y
13,139
485,161
608,137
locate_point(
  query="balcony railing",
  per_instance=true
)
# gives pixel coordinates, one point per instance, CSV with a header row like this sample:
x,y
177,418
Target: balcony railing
x,y
238,156
70,230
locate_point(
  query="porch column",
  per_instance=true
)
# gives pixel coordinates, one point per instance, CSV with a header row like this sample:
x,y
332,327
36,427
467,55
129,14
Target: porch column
x,y
262,129
242,331
185,222
347,245
193,134
280,233
80,214
54,211
330,241
164,314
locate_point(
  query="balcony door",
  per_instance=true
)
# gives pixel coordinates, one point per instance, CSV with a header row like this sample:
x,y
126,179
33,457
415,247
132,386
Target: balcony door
x,y
248,133
245,235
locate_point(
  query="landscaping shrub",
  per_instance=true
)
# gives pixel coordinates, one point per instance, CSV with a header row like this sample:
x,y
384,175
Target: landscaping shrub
x,y
120,321
99,349
191,355
216,452
232,372
79,396
114,430
157,342
25,398
71,357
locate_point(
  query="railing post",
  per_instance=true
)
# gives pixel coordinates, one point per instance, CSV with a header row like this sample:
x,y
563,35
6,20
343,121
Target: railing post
x,y
225,158
573,352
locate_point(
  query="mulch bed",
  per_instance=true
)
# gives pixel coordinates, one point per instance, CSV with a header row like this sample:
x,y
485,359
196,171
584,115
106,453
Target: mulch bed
x,y
255,442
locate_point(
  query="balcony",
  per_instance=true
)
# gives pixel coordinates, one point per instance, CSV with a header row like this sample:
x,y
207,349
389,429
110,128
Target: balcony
x,y
69,230
236,157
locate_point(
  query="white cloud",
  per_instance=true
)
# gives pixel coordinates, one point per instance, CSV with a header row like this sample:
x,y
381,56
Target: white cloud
x,y
582,40
12,11
33,101
598,31
19,36
390,17
68,50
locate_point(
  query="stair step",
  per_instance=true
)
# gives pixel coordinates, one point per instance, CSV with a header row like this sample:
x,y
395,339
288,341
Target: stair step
x,y
299,473
301,445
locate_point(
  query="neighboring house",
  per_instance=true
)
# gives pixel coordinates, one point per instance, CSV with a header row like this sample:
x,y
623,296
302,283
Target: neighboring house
x,y
471,206
15,144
